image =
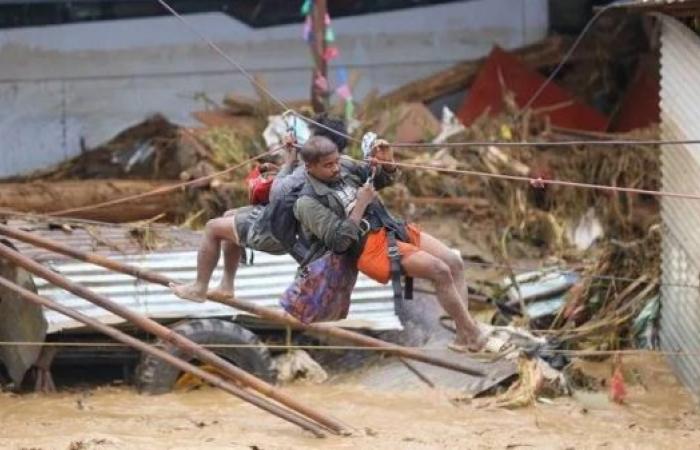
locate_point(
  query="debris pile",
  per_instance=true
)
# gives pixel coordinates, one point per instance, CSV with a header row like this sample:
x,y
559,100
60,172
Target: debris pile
x,y
144,151
592,255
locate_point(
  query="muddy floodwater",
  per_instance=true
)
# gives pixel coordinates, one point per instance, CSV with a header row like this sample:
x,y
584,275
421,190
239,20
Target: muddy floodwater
x,y
659,414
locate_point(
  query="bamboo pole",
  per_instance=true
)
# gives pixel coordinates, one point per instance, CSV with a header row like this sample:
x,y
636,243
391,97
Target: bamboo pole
x,y
153,327
266,313
211,378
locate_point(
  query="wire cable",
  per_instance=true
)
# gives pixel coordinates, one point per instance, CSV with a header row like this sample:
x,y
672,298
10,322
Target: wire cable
x,y
247,74
611,142
573,48
538,182
162,190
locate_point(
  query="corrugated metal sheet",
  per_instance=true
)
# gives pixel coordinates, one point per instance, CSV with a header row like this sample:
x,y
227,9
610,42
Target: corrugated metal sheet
x,y
106,240
680,109
680,320
262,283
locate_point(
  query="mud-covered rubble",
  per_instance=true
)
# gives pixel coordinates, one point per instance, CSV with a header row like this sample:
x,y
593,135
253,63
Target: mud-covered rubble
x,y
607,244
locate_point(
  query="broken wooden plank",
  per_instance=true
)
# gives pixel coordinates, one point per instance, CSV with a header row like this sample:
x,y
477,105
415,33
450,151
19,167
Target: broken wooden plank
x,y
45,197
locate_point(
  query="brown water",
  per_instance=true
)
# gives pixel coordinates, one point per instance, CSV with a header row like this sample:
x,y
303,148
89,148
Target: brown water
x,y
659,414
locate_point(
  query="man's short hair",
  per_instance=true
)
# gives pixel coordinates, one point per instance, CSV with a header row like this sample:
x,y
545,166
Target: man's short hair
x,y
316,148
333,128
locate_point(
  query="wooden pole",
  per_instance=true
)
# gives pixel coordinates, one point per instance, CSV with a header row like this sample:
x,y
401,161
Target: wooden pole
x,y
266,313
168,335
318,46
209,377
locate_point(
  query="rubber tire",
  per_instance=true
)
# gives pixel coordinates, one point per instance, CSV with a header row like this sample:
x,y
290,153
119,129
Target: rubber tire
x,y
154,376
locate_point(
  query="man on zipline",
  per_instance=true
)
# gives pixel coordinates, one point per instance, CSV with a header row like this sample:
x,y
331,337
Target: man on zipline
x,y
339,230
340,212
238,229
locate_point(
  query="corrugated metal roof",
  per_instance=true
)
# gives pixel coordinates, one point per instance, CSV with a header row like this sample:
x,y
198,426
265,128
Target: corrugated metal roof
x,y
262,283
680,109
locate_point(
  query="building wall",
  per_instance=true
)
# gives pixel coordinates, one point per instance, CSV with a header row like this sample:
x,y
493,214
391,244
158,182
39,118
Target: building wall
x,y
61,84
680,109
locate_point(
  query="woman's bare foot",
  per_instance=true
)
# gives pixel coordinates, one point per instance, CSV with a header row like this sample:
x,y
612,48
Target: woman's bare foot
x,y
190,292
485,344
473,345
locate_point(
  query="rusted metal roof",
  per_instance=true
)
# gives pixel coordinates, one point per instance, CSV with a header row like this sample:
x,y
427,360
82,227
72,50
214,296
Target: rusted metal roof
x,y
680,109
105,239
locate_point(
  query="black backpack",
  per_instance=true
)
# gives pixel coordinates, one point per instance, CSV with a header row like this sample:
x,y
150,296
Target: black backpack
x,y
279,222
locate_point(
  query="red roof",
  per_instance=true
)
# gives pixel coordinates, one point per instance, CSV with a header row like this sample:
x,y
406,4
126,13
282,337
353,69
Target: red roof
x,y
503,71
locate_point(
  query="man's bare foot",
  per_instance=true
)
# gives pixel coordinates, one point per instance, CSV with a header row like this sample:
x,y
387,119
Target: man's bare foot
x,y
190,292
222,291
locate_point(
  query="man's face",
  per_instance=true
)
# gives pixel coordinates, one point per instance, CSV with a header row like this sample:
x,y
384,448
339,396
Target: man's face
x,y
326,169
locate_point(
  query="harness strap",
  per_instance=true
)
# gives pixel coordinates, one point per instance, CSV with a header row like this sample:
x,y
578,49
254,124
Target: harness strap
x,y
395,267
408,288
